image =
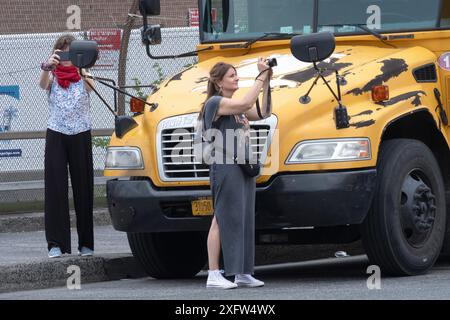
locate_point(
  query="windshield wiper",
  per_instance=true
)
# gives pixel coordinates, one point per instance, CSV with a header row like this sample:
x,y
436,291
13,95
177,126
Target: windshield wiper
x,y
268,34
364,28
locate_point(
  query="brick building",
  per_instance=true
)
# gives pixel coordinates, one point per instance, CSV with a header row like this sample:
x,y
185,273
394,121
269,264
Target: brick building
x,y
46,16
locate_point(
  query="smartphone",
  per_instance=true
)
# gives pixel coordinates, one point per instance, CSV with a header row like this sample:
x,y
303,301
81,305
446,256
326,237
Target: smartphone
x,y
63,55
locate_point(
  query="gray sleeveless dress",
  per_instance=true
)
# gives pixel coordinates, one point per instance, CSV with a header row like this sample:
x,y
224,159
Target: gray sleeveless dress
x,y
234,199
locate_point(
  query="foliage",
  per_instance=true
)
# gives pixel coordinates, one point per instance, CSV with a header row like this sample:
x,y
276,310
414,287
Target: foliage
x,y
100,142
159,72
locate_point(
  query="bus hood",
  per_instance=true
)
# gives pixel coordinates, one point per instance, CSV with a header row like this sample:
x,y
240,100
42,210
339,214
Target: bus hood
x,y
361,66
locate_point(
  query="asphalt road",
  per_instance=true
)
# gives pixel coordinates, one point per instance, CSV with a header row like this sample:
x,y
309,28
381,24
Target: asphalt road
x,y
327,279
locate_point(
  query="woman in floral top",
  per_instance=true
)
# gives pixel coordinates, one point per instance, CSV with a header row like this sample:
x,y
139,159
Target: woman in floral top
x,y
67,145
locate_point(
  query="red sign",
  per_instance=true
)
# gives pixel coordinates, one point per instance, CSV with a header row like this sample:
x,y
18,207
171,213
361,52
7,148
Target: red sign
x,y
194,18
107,39
214,15
108,45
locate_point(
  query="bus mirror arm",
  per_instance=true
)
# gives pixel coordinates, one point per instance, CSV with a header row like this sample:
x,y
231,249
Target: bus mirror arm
x,y
123,123
151,35
182,55
340,112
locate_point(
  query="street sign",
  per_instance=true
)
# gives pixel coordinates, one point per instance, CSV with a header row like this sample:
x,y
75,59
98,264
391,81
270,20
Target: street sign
x,y
194,17
109,47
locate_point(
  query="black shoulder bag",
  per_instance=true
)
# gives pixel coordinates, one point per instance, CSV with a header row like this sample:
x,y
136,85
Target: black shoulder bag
x,y
249,167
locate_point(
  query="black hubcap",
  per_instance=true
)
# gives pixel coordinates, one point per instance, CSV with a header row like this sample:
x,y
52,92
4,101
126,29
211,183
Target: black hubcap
x,y
418,209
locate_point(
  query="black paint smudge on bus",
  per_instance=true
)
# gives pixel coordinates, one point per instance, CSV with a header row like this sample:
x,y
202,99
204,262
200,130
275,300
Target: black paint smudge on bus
x,y
391,68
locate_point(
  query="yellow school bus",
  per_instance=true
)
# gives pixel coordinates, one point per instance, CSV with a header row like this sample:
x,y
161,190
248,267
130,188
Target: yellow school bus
x,y
357,146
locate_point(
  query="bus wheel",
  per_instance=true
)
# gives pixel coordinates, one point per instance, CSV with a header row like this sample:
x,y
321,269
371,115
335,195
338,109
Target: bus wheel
x,y
169,254
403,232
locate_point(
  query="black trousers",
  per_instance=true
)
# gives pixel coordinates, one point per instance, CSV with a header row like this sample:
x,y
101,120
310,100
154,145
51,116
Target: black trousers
x,y
75,152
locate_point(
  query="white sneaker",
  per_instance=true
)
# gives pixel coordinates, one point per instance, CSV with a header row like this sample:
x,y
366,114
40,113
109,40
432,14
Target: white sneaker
x,y
85,252
55,252
246,280
217,280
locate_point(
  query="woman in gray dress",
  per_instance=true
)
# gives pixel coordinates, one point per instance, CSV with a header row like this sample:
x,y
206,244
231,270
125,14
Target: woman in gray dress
x,y
233,225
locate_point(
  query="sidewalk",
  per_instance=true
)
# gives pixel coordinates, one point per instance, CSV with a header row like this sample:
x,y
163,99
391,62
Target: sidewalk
x,y
24,264
25,222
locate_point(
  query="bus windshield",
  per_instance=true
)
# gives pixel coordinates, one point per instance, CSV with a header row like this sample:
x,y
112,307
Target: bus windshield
x,y
236,20
392,15
225,20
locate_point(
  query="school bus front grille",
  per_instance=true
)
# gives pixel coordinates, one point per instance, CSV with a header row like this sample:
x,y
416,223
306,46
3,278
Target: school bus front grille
x,y
177,152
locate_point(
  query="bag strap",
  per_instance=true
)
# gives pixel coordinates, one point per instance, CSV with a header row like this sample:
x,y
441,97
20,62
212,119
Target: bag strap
x,y
203,127
258,109
269,100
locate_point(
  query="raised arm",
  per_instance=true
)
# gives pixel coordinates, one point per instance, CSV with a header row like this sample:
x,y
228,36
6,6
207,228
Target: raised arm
x,y
230,106
265,104
45,79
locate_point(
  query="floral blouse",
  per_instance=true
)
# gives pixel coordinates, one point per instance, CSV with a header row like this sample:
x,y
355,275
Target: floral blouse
x,y
69,108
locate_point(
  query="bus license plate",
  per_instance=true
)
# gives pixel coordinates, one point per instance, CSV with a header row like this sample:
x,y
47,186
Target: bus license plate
x,y
202,207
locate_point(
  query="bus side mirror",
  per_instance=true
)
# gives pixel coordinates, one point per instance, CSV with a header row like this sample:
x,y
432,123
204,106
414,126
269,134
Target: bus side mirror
x,y
83,53
151,34
313,47
150,7
123,124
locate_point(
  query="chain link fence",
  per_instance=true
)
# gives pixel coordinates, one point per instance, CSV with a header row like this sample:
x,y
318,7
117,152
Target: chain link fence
x,y
24,107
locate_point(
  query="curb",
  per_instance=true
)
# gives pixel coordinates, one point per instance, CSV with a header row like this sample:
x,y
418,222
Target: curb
x,y
54,272
28,222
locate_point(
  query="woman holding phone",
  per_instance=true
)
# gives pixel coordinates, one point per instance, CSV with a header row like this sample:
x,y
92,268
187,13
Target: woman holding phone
x,y
68,145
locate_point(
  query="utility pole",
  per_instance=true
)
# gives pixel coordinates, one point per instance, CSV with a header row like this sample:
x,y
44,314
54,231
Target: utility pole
x,y
123,53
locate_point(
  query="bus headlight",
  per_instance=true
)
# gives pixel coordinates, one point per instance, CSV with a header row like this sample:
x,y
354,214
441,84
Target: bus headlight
x,y
330,150
124,158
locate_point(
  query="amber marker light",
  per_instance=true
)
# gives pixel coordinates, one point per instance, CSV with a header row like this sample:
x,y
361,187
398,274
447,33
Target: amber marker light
x,y
364,153
380,93
136,105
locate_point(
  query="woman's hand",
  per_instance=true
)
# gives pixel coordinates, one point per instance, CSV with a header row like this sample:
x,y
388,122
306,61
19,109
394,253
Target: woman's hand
x,y
45,78
54,59
262,64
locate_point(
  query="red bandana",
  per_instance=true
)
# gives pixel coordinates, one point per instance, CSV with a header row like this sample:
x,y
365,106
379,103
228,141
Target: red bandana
x,y
66,75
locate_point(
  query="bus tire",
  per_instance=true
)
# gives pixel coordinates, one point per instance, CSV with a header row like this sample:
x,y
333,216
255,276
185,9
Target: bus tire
x,y
404,230
167,255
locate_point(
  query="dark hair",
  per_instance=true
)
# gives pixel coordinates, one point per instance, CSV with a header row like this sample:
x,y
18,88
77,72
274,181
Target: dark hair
x,y
216,74
63,42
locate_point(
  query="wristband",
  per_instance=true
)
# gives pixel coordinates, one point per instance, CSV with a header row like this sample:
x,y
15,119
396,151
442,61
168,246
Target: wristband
x,y
47,67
